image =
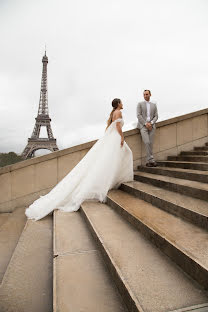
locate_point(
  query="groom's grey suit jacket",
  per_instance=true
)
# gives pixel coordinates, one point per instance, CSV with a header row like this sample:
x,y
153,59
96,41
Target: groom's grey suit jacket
x,y
142,114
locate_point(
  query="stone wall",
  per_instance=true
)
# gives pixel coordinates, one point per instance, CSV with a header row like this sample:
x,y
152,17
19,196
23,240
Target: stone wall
x,y
23,182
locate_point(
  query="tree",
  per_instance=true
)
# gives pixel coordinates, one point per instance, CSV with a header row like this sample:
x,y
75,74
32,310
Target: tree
x,y
9,158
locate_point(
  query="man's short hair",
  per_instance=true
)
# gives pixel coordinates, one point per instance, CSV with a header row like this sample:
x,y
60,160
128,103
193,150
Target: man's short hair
x,y
148,91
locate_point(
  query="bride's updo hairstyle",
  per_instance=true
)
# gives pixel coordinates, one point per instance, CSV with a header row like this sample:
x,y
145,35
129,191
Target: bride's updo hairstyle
x,y
115,104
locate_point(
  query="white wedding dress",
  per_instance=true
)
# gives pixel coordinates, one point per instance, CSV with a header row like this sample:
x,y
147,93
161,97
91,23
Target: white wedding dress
x,y
104,167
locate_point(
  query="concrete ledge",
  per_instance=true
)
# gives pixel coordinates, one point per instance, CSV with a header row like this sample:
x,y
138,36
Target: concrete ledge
x,y
173,120
53,155
23,182
22,201
88,145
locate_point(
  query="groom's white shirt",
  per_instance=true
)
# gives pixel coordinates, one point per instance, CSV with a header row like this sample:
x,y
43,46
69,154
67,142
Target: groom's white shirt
x,y
148,111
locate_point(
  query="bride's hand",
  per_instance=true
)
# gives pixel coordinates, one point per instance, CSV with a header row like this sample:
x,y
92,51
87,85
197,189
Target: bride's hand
x,y
122,142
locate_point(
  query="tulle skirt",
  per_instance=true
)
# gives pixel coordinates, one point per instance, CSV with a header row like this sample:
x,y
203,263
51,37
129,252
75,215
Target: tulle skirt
x,y
104,167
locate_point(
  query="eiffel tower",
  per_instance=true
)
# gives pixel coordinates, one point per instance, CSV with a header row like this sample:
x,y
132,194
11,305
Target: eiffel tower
x,y
35,142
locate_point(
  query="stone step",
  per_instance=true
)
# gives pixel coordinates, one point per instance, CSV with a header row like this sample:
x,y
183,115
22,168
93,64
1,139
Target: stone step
x,y
10,232
199,152
81,281
203,148
191,209
191,188
192,158
4,217
195,308
183,242
27,283
147,279
184,165
188,174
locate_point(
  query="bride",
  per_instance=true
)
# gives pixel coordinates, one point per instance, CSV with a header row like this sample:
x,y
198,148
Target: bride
x,y
108,163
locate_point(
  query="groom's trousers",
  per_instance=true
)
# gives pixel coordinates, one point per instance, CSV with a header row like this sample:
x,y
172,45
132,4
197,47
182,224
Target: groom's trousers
x,y
147,138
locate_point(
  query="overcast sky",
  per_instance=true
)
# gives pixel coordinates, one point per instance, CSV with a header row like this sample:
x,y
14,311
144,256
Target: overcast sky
x,y
98,50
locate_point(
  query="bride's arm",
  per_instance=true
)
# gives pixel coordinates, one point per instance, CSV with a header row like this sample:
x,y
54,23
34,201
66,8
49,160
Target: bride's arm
x,y
119,128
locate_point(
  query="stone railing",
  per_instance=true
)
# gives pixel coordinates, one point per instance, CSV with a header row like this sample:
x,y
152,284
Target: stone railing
x,y
23,182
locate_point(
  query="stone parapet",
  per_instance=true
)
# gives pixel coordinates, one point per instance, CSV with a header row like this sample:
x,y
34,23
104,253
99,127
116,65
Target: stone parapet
x,y
23,182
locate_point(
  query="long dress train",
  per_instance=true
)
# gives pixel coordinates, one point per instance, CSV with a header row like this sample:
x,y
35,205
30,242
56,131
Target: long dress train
x,y
104,167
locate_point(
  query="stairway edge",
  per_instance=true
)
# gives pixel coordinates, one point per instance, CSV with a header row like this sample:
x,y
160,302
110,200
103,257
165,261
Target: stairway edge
x,y
169,248
117,276
171,207
23,230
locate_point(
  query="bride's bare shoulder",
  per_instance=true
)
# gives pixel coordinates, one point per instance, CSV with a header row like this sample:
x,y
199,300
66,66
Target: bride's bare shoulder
x,y
116,115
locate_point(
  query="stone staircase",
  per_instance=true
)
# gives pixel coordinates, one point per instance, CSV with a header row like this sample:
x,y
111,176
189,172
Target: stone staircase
x,y
26,263
145,249
11,226
151,235
187,160
81,280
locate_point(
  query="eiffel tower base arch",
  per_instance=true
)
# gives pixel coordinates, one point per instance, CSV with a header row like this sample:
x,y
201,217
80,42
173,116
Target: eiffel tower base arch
x,y
37,144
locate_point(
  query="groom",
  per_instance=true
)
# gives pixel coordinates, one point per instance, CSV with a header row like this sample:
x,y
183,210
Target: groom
x,y
147,116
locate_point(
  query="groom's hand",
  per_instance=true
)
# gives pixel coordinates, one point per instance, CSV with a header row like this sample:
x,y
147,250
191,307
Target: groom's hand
x,y
148,126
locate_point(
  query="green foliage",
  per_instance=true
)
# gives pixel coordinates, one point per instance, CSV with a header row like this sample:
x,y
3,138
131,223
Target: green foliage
x,y
9,158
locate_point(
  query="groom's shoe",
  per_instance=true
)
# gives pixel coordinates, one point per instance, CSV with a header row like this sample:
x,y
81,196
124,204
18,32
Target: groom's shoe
x,y
154,164
149,164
